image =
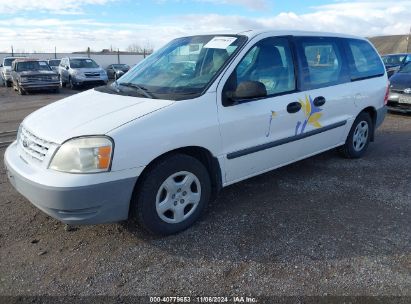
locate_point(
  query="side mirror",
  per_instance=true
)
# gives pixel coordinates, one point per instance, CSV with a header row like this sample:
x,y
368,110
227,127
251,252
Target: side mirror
x,y
1,65
67,67
245,90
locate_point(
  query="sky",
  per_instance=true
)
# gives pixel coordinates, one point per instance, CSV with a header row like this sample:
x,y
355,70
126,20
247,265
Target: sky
x,y
74,25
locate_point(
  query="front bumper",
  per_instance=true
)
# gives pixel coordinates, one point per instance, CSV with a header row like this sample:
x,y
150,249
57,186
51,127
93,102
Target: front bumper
x,y
40,85
6,77
89,80
82,201
395,105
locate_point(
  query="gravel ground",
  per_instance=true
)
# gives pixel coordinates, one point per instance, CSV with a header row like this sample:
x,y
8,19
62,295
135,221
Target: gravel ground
x,y
322,226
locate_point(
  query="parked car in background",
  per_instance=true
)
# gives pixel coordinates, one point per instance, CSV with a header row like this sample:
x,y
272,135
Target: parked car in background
x,y
393,62
54,64
79,71
399,97
115,71
33,75
6,70
159,145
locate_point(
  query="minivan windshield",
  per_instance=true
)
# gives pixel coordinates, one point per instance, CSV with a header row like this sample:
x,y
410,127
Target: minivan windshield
x,y
78,63
182,68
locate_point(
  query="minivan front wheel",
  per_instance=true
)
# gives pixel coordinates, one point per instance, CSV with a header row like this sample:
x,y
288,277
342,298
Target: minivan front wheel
x,y
172,195
359,137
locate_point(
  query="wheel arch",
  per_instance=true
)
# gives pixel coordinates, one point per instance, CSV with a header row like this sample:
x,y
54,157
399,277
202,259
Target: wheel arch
x,y
202,154
373,114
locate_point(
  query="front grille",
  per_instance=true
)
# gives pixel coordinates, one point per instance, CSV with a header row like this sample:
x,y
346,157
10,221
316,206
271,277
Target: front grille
x,y
33,146
92,74
39,78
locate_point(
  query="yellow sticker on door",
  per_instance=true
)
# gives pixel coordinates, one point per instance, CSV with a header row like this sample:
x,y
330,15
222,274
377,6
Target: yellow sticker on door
x,y
312,115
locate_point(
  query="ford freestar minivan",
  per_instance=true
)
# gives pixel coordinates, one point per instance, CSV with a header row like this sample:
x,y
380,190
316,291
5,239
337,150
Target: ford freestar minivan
x,y
201,113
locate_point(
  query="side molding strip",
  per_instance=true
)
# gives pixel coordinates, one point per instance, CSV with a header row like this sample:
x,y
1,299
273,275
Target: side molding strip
x,y
283,141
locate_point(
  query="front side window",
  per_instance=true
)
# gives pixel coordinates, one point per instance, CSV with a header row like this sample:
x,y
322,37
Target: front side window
x,y
365,60
322,63
268,62
82,63
183,68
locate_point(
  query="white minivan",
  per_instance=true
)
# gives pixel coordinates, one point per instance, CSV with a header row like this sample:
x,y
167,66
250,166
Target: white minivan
x,y
201,113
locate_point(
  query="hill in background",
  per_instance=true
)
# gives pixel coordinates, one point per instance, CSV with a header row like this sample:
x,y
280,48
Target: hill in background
x,y
391,44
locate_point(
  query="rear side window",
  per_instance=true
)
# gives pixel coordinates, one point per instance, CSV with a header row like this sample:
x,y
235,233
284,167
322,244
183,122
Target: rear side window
x,y
321,61
364,60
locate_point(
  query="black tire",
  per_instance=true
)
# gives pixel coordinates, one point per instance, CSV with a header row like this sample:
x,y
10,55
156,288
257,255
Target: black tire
x,y
72,85
143,205
20,90
351,149
62,83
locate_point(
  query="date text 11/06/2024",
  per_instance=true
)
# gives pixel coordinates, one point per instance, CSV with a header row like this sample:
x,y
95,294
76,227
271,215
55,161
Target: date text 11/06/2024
x,y
174,299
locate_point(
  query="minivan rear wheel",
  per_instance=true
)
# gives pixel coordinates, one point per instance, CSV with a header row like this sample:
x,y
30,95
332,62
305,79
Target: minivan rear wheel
x,y
359,137
172,195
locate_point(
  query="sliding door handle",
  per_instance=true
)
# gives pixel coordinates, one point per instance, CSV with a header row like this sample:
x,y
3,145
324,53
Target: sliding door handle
x,y
293,107
319,101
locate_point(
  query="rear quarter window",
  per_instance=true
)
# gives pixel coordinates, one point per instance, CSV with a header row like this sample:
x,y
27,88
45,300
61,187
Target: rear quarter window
x,y
364,60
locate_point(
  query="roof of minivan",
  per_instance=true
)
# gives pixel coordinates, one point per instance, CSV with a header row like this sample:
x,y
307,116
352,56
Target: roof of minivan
x,y
254,33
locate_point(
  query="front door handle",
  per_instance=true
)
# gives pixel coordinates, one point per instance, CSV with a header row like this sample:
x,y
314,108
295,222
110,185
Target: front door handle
x,y
293,107
319,101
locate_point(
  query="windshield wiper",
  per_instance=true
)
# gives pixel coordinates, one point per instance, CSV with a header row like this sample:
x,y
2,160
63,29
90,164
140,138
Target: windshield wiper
x,y
140,89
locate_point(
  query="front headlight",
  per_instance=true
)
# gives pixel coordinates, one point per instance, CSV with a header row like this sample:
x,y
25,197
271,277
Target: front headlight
x,y
77,73
54,78
84,155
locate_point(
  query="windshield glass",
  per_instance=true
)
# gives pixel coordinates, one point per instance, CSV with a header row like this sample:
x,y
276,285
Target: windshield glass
x,y
185,66
54,62
83,63
406,68
8,61
393,59
120,66
32,66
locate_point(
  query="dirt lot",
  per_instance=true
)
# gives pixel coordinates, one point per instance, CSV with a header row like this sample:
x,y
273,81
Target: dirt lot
x,y
322,226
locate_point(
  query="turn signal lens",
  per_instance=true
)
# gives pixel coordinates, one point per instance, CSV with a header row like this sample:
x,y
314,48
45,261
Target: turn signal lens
x,y
104,157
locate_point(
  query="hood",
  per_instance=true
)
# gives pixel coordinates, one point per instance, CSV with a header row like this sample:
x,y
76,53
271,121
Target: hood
x,y
88,113
400,81
31,73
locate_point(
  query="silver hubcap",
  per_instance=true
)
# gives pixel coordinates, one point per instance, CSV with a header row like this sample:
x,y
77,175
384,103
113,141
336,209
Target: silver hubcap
x,y
360,136
178,197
